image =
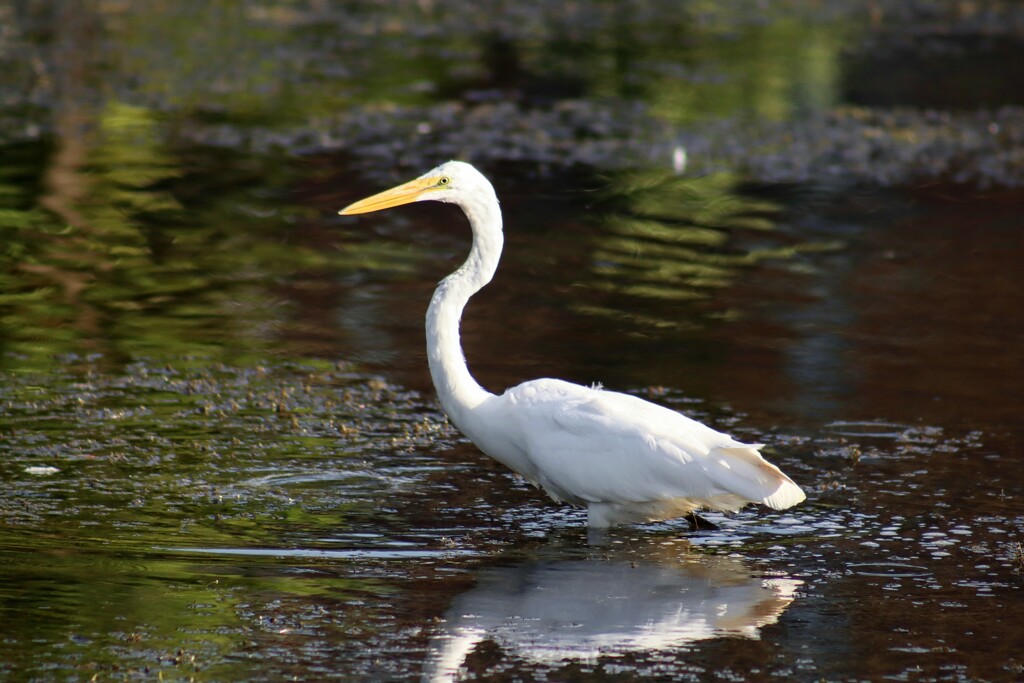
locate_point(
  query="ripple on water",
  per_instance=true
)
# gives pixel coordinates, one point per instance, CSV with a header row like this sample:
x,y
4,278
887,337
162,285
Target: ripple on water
x,y
355,478
889,569
867,429
391,554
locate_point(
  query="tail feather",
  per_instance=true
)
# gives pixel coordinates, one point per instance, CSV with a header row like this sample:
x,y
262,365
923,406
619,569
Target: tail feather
x,y
747,473
787,495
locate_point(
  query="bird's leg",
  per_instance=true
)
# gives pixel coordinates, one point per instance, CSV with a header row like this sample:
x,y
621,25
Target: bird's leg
x,y
598,537
698,523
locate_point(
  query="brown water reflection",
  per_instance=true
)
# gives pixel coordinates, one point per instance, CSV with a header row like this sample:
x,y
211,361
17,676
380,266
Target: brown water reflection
x,y
221,455
917,320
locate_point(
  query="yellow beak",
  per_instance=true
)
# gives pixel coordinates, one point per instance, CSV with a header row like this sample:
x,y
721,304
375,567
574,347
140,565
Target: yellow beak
x,y
396,196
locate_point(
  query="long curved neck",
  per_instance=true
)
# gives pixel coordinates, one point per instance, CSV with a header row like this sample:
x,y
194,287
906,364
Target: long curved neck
x,y
459,393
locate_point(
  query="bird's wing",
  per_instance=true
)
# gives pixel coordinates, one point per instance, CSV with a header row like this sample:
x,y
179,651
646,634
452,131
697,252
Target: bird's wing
x,y
590,445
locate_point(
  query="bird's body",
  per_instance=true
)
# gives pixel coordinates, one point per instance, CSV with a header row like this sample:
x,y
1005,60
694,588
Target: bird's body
x,y
625,459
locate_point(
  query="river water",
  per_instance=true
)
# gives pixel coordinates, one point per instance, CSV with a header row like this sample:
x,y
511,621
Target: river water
x,y
221,454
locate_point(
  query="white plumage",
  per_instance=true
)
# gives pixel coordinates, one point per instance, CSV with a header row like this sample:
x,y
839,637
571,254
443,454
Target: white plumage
x,y
625,459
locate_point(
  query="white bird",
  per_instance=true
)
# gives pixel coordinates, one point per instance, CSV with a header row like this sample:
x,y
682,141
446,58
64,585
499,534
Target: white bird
x,y
623,458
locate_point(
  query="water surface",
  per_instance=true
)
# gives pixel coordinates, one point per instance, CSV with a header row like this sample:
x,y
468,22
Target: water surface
x,y
222,458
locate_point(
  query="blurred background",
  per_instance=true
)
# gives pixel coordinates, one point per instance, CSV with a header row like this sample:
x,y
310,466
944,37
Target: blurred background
x,y
170,173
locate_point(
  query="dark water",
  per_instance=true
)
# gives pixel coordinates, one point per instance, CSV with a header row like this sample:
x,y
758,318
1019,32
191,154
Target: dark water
x,y
221,456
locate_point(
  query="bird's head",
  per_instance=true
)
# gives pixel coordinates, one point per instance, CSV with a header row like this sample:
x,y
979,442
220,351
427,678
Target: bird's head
x,y
454,182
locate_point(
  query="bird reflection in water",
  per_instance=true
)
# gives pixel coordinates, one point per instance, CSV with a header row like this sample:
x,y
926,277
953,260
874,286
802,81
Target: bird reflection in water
x,y
581,609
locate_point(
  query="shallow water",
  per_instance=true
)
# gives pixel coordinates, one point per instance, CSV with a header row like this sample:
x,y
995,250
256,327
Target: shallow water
x,y
222,458
319,519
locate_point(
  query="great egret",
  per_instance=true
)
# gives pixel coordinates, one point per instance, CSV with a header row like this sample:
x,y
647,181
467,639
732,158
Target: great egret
x,y
625,459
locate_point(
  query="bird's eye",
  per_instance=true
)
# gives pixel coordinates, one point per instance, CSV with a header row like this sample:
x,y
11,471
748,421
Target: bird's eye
x,y
443,181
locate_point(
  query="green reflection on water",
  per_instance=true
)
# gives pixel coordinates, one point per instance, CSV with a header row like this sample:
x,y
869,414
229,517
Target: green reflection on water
x,y
776,71
98,573
123,616
285,64
666,245
667,238
119,238
137,249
